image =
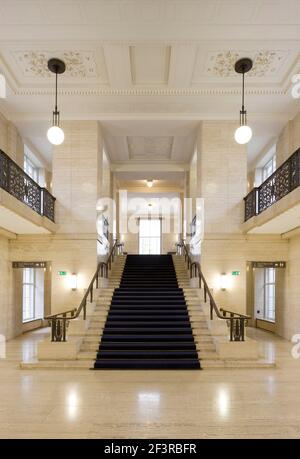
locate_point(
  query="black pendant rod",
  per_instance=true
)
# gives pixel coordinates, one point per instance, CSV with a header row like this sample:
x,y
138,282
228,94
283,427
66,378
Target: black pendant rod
x,y
243,94
56,66
56,92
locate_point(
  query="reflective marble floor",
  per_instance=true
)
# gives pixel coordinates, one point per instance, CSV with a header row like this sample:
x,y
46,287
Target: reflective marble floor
x,y
223,403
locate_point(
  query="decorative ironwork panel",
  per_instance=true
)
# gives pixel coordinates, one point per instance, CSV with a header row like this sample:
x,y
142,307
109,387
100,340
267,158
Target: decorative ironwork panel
x,y
237,329
58,329
17,183
22,187
3,171
284,180
250,204
48,204
295,170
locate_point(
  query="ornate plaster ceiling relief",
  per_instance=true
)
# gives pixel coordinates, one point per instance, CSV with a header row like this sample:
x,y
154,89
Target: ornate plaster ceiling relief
x,y
265,62
141,147
79,64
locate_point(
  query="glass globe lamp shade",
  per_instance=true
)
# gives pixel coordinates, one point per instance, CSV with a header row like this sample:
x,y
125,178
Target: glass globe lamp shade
x,y
243,134
55,135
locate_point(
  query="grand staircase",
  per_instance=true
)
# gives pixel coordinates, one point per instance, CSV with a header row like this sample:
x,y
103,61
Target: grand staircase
x,y
146,315
148,324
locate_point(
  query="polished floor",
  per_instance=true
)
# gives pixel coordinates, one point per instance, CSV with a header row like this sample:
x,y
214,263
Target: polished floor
x,y
262,403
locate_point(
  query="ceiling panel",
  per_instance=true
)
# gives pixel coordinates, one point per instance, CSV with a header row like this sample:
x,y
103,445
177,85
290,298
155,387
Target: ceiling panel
x,y
278,12
99,12
158,148
190,11
233,11
67,12
150,64
269,65
28,63
21,12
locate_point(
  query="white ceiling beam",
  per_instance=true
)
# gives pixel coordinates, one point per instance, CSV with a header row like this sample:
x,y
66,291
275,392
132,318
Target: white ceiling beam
x,y
118,65
182,64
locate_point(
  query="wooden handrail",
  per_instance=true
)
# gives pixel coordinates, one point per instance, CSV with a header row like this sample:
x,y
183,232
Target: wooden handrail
x,y
237,321
59,321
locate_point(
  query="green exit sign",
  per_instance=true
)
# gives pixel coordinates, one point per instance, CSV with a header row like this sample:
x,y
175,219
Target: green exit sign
x,y
236,273
62,273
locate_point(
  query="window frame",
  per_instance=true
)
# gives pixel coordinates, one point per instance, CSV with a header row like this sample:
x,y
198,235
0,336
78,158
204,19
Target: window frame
x,y
29,164
267,284
33,296
269,168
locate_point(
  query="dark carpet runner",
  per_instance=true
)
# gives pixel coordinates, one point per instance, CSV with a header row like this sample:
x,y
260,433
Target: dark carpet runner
x,y
148,324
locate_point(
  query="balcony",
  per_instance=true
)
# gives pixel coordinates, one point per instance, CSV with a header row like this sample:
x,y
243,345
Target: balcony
x,y
278,197
15,182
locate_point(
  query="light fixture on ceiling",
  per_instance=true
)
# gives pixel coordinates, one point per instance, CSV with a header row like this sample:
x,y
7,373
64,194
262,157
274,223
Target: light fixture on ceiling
x,y
150,183
243,133
55,134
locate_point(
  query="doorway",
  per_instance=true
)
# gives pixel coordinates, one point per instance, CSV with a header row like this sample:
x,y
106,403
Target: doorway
x,y
150,236
265,295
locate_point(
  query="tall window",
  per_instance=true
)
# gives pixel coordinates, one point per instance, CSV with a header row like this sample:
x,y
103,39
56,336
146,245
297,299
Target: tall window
x,y
29,286
269,294
150,237
269,168
31,169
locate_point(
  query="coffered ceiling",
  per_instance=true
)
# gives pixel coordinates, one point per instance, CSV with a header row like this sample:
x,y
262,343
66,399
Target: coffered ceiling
x,y
150,60
151,141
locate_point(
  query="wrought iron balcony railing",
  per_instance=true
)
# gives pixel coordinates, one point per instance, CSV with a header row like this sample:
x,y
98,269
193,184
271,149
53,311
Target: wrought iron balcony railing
x,y
17,183
284,180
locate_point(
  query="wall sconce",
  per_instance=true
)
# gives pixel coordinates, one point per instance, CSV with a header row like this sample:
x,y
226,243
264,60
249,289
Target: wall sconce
x,y
223,281
150,183
74,281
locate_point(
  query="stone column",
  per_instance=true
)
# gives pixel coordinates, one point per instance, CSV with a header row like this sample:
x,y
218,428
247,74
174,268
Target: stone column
x,y
222,182
222,176
77,184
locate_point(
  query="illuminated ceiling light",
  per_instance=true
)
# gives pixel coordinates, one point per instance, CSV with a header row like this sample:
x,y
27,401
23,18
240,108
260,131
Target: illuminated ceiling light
x,y
55,134
149,183
243,133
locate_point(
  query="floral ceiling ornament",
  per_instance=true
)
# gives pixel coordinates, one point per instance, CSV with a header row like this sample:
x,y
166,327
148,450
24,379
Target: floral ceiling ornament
x,y
79,64
265,62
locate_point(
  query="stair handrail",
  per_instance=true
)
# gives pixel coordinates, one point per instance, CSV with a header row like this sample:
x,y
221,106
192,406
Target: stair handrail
x,y
237,322
59,322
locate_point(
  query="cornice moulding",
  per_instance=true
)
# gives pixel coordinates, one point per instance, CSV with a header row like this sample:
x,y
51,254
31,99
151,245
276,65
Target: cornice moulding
x,y
149,92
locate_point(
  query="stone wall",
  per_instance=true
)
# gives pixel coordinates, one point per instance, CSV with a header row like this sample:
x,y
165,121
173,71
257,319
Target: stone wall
x,y
7,311
292,290
222,176
223,253
288,141
74,253
10,141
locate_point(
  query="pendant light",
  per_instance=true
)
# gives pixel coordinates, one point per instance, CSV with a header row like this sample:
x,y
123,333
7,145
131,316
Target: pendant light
x,y
243,133
55,134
